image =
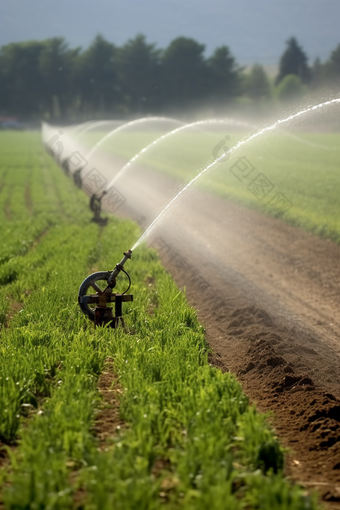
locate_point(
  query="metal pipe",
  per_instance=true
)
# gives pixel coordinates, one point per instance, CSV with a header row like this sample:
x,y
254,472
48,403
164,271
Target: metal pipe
x,y
112,278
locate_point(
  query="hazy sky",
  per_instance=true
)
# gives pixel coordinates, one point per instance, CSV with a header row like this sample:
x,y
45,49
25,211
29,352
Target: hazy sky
x,y
254,30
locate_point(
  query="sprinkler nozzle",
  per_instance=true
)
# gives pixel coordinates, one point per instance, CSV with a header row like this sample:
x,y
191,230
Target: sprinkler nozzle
x,y
119,267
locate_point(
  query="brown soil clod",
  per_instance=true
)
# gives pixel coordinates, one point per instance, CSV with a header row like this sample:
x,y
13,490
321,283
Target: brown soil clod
x,y
215,360
14,308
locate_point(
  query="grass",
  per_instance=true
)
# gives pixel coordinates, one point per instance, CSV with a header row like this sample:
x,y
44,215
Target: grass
x,y
191,438
301,168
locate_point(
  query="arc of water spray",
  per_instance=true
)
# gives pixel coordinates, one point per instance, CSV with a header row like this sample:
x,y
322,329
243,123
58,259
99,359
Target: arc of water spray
x,y
124,126
84,128
91,125
70,131
193,124
237,146
173,132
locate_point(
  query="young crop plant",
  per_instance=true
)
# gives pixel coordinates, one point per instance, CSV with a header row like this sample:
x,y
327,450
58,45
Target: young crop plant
x,y
188,437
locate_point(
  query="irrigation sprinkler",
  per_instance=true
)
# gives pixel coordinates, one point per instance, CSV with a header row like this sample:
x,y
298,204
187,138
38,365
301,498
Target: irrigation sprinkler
x,y
95,306
96,208
65,165
77,177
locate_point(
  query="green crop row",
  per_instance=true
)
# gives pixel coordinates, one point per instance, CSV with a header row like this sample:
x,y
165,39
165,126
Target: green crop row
x,y
190,440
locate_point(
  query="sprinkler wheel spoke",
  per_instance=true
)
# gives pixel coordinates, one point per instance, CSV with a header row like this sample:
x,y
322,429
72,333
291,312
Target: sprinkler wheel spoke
x,y
96,287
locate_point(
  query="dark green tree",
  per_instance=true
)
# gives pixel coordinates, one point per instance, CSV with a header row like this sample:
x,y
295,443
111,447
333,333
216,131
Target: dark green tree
x,y
224,75
97,79
317,74
257,84
185,77
293,61
48,79
332,66
57,69
139,72
21,81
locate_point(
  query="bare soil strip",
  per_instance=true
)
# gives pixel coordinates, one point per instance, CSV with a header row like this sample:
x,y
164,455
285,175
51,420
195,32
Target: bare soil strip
x,y
14,308
108,421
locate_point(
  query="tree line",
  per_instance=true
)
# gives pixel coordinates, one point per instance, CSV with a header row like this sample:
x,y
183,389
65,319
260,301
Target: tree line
x,y
49,80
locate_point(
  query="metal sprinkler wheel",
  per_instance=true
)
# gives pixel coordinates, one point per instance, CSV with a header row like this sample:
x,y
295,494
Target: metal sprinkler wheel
x,y
94,304
88,301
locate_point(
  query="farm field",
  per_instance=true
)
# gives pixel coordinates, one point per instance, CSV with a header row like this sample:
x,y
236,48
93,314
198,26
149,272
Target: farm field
x,y
97,419
302,166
